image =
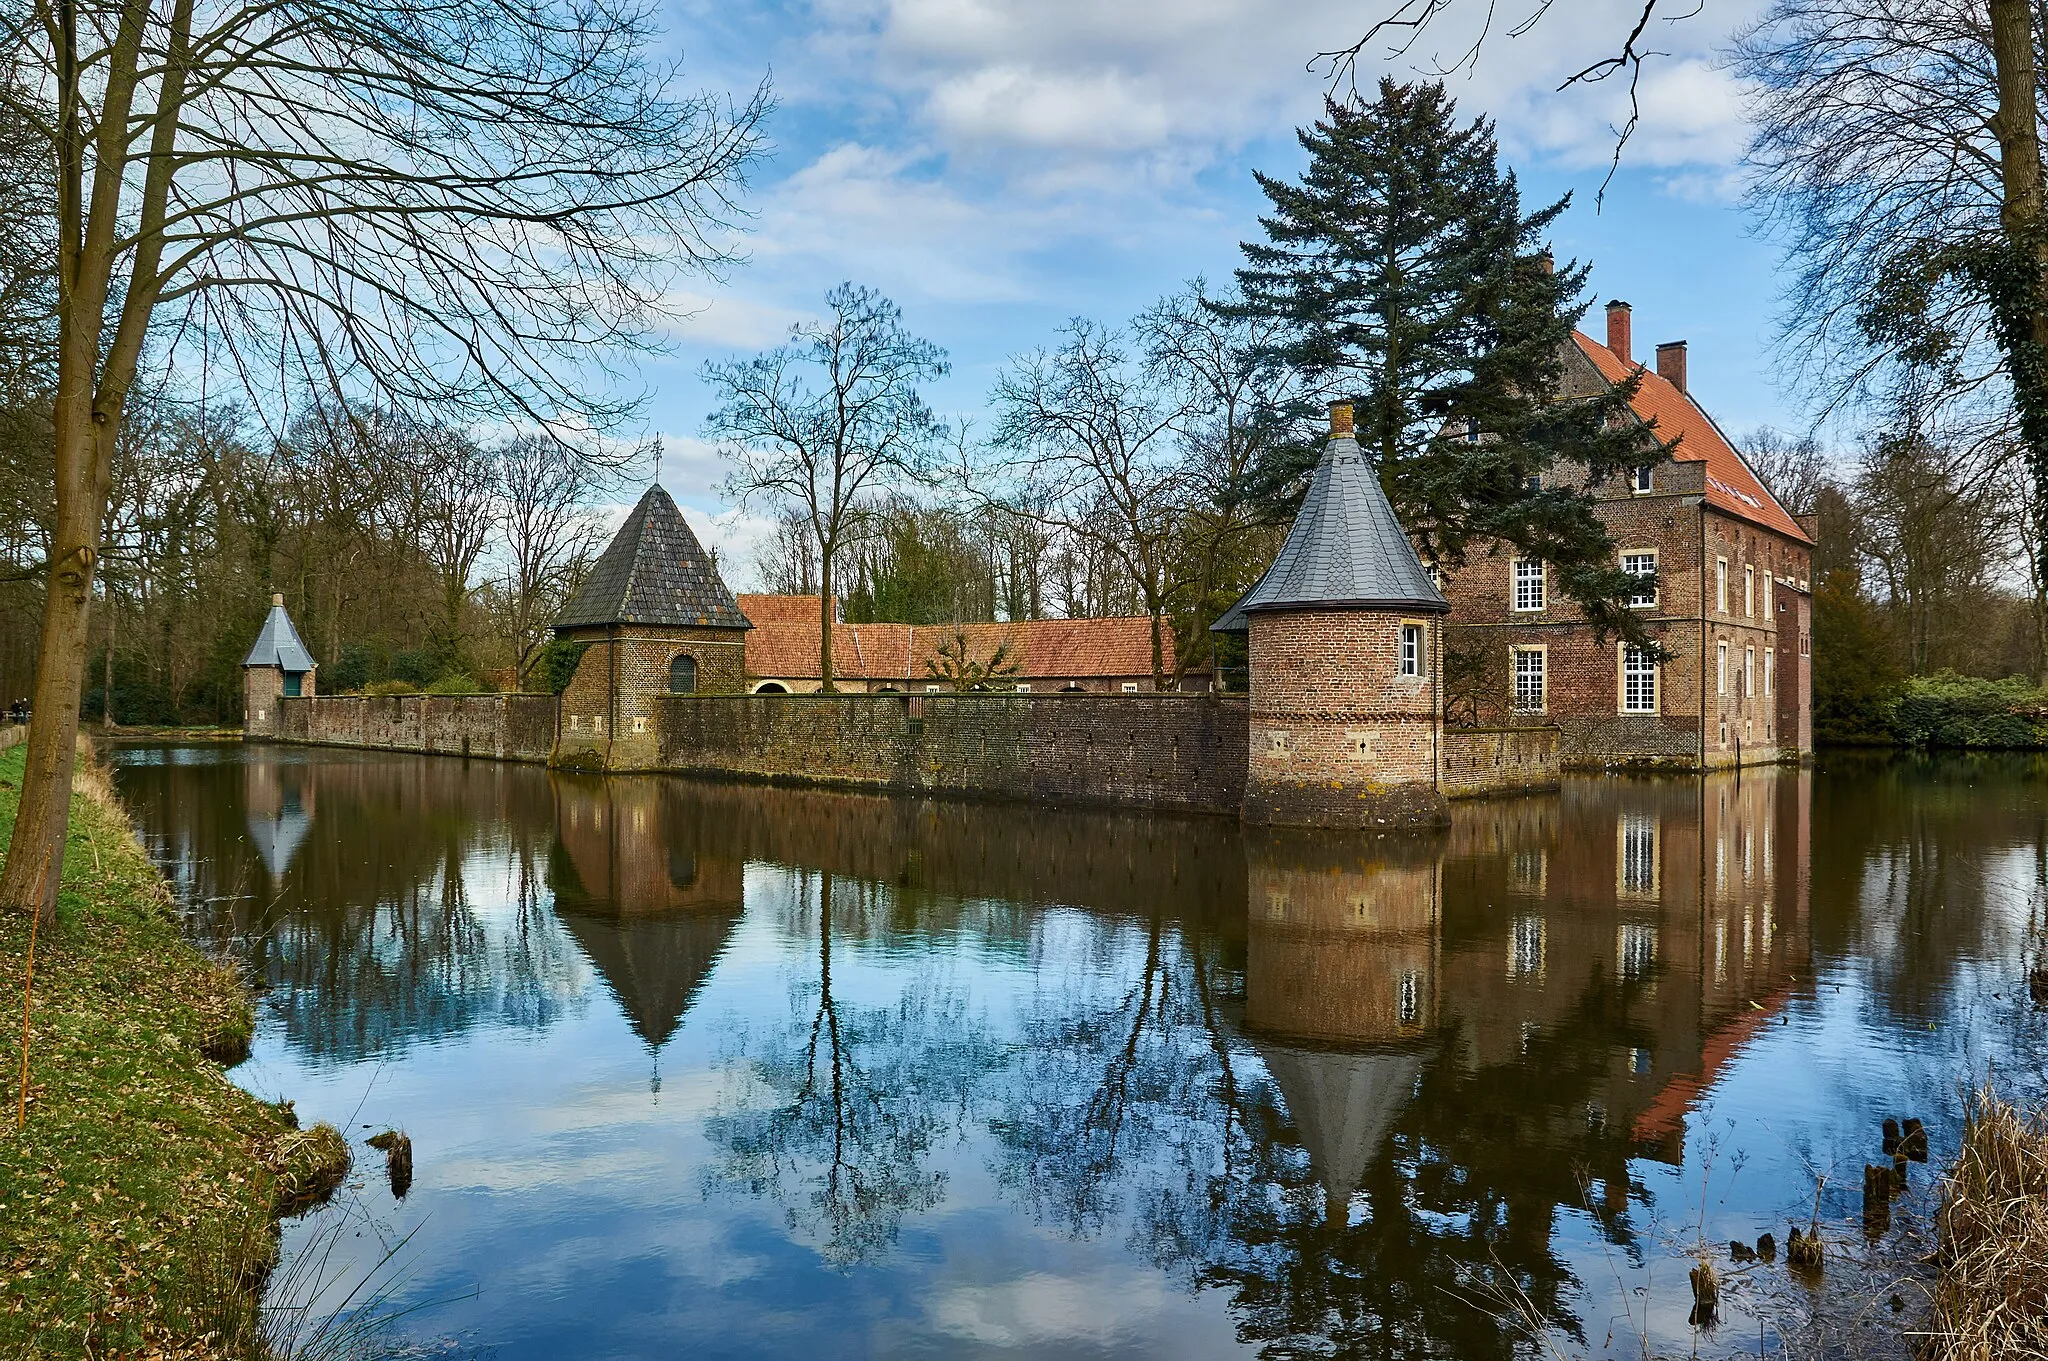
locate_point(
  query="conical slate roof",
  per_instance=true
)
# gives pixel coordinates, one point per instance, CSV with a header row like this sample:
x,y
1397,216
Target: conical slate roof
x,y
654,572
1346,549
278,644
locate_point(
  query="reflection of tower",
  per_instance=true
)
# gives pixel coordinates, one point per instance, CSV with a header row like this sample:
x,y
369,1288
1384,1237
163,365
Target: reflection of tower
x,y
278,803
651,912
1340,986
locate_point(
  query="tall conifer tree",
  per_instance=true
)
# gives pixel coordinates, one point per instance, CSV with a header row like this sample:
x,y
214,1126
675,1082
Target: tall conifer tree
x,y
1409,278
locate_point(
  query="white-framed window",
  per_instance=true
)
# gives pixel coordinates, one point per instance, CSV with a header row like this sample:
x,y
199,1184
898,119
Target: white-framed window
x,y
1770,671
1411,649
1721,584
1528,594
1436,575
1638,680
1130,687
1769,603
1721,667
1749,590
934,689
1640,478
1530,689
1642,564
1023,687
1748,672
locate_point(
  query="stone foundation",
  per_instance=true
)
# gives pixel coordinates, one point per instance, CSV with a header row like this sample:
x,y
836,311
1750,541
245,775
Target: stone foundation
x,y
1482,761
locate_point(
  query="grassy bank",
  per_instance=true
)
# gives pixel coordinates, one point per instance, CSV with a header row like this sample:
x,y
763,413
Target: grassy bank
x,y
138,1206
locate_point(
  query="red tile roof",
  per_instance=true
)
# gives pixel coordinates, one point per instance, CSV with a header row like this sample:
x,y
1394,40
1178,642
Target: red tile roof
x,y
1731,486
1044,648
771,609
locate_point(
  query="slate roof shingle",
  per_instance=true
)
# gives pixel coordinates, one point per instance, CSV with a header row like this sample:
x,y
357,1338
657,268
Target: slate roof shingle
x,y
1345,549
278,644
654,572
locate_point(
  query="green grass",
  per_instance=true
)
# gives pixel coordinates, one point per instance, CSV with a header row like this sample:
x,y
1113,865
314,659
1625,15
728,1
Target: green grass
x,y
138,1206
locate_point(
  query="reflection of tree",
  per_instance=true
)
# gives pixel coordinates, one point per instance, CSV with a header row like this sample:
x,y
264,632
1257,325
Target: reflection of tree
x,y
836,1115
365,935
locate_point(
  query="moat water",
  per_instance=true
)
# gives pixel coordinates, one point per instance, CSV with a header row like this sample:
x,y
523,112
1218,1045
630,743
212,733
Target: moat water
x,y
737,1072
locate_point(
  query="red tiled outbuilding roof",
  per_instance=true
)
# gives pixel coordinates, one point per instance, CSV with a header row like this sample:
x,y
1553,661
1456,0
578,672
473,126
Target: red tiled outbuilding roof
x,y
779,609
785,645
1731,486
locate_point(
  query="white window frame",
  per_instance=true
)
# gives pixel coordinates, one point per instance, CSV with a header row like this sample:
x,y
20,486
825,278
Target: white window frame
x,y
1770,671
1641,479
1770,602
1748,672
1749,590
1642,555
1637,672
1541,671
1638,862
1536,582
1721,585
1023,687
1130,687
934,689
1411,649
1721,667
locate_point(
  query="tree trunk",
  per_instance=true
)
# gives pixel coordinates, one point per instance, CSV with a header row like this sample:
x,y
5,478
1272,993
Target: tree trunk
x,y
107,672
60,670
2020,297
825,684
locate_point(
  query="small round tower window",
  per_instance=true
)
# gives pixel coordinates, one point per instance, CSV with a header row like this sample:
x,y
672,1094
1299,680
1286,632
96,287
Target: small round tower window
x,y
682,674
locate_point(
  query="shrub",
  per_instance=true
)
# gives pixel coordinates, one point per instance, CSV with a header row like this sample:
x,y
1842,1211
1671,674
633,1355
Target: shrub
x,y
1856,679
351,671
454,685
391,687
416,665
1948,710
554,666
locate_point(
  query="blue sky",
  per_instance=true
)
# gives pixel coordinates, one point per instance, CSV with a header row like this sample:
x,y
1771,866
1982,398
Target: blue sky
x,y
997,166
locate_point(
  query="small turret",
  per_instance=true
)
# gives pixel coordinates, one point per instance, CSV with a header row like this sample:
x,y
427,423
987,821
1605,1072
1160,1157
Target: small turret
x,y
1345,660
277,668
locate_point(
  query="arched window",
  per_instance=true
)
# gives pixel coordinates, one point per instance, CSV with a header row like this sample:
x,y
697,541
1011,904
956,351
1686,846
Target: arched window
x,y
771,688
682,674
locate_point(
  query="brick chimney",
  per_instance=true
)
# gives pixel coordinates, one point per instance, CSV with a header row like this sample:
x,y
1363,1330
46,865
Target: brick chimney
x,y
1340,420
1671,363
1618,338
277,598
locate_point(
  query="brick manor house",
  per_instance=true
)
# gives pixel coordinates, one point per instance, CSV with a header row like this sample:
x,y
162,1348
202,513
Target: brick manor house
x,y
1731,603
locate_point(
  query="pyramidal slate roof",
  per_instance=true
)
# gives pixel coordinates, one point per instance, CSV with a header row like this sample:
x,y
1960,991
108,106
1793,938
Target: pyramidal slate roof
x,y
1346,549
278,644
654,572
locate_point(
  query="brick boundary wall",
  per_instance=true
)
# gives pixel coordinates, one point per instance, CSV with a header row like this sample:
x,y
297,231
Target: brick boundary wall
x,y
1181,752
1482,761
501,727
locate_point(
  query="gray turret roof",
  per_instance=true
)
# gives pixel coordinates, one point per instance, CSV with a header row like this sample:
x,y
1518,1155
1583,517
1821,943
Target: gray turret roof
x,y
654,572
1346,549
278,644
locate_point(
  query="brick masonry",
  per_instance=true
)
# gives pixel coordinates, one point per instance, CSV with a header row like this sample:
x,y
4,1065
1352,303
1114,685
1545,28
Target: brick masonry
x,y
501,727
609,707
1155,751
1583,674
1482,761
1338,738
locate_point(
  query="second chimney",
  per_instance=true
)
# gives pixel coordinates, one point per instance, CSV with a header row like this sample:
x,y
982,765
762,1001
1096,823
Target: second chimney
x,y
1340,420
1618,337
1671,363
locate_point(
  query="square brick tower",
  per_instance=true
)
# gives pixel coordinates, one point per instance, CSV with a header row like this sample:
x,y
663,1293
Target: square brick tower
x,y
277,667
1345,654
658,620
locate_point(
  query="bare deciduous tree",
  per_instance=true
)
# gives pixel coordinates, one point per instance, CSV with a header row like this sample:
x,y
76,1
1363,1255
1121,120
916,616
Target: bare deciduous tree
x,y
432,202
828,420
550,535
1794,468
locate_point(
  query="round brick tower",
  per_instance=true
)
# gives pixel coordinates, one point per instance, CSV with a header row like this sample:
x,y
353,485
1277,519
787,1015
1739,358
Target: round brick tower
x,y
1345,649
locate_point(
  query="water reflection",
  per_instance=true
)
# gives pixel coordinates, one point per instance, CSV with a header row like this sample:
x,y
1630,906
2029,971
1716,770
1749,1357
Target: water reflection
x,y
1300,1093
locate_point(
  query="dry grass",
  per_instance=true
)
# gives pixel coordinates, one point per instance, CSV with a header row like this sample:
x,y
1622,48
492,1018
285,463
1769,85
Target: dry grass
x,y
137,1209
1991,1290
